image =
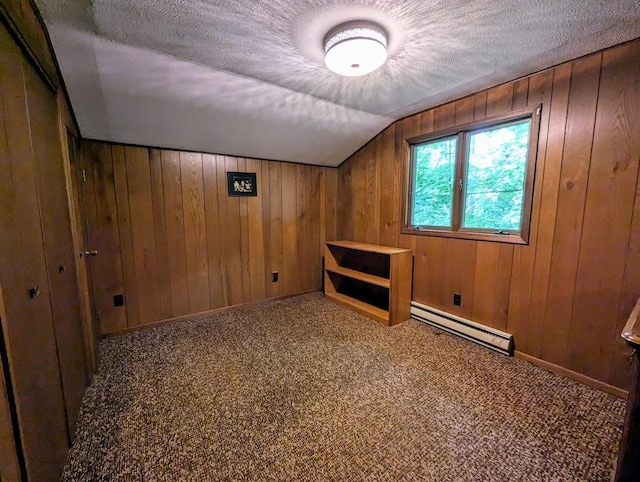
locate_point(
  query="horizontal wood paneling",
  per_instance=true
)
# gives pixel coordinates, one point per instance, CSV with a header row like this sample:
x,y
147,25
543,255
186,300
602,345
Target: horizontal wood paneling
x,y
172,241
564,295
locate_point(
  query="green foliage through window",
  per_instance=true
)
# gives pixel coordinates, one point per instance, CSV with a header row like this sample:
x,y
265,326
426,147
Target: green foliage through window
x,y
474,180
435,168
496,168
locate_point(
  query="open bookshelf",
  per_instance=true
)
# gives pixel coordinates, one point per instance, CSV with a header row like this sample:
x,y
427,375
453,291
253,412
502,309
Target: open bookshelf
x,y
370,279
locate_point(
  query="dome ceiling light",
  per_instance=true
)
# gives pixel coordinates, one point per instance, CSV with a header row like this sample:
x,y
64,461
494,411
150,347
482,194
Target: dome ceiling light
x,y
355,48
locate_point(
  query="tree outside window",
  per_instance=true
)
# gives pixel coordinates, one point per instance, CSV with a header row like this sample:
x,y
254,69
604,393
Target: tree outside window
x,y
474,182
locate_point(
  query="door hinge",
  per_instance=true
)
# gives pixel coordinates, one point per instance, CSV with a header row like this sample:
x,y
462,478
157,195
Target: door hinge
x,y
460,184
97,314
84,175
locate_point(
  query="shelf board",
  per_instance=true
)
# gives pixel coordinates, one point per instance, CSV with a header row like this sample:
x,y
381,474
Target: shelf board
x,y
360,306
359,275
371,248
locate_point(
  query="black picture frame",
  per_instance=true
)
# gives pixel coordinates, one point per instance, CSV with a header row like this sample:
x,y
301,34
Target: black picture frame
x,y
242,184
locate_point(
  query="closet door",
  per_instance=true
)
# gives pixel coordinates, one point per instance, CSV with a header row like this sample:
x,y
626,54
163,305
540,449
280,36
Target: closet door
x,y
28,328
58,240
9,462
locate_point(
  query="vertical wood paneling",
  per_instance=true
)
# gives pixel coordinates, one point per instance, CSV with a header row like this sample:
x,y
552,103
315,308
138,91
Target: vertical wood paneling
x,y
174,221
102,212
464,110
608,213
480,105
331,204
143,233
223,226
244,238
265,186
574,175
276,225
520,93
312,180
345,189
213,230
162,246
503,285
291,274
195,230
548,208
389,225
372,201
314,250
256,234
360,194
460,275
301,227
397,183
566,294
323,210
208,250
485,288
126,237
232,239
499,99
540,89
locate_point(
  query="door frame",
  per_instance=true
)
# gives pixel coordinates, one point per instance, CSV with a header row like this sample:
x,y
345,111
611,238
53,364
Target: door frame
x,y
79,228
11,460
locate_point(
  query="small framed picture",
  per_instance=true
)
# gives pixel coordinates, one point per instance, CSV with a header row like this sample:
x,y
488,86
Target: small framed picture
x,y
242,184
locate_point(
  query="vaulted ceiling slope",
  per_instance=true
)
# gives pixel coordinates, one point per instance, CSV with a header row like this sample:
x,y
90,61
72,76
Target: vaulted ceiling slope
x,y
247,78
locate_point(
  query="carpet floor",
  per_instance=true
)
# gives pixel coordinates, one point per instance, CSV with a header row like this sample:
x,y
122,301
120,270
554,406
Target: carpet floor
x,y
302,389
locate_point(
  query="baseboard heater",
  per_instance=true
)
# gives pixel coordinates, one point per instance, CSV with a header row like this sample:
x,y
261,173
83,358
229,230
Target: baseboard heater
x,y
491,338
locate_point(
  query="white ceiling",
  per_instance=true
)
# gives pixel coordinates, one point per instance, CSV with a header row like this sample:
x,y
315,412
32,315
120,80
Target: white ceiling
x,y
247,78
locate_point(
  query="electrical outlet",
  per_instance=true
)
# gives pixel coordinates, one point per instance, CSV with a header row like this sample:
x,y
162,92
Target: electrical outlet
x,y
457,299
274,276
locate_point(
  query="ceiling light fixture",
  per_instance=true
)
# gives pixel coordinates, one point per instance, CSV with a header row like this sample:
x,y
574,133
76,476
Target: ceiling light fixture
x,y
355,48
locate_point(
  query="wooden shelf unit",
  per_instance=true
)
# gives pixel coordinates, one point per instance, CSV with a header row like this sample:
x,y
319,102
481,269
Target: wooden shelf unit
x,y
372,280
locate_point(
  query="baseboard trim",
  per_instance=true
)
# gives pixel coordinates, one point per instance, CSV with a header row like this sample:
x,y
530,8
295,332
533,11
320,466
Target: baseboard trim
x,y
194,316
578,377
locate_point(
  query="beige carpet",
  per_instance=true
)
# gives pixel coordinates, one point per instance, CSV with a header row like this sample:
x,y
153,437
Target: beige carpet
x,y
301,389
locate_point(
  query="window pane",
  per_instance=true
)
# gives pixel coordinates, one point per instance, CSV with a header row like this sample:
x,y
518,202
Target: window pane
x,y
435,164
496,168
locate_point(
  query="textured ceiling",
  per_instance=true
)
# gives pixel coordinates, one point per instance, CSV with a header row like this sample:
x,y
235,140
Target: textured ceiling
x,y
247,77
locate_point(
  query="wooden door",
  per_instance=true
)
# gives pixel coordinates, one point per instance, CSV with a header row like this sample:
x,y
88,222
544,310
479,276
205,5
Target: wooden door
x,y
58,241
9,458
28,328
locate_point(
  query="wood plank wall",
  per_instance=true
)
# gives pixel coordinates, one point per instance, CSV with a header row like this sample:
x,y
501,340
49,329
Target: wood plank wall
x,y
24,21
566,295
171,240
42,332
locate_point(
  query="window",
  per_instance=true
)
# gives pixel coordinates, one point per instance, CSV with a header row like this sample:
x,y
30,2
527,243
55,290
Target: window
x,y
474,181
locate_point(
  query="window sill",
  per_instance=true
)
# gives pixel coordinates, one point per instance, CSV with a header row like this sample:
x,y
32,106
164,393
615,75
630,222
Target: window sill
x,y
471,235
